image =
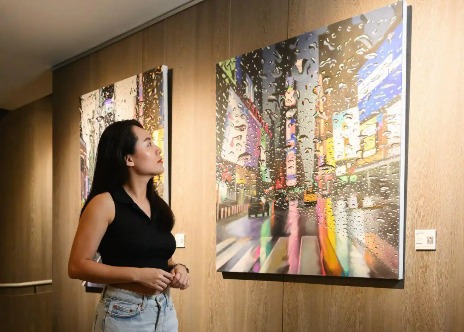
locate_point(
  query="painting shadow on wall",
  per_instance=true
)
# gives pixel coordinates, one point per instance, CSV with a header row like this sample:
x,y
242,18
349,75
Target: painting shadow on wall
x,y
334,281
169,114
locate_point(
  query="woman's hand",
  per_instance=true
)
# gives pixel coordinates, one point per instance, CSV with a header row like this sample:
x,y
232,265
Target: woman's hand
x,y
157,279
180,277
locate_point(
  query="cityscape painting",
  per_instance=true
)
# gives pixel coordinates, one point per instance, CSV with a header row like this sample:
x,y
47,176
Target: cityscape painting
x,y
310,152
143,97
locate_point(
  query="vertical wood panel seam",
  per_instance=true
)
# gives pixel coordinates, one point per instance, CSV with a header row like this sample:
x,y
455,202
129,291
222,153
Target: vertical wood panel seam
x,y
288,17
142,53
229,47
89,68
164,62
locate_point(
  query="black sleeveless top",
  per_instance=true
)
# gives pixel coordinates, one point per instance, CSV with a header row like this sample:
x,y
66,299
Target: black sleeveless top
x,y
133,239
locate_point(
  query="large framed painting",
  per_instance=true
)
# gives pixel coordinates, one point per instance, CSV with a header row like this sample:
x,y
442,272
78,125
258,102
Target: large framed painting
x,y
310,152
143,97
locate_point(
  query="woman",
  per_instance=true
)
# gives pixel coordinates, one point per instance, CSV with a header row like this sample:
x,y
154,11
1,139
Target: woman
x,y
130,226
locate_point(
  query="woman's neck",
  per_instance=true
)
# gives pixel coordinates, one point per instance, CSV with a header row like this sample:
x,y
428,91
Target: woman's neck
x,y
136,189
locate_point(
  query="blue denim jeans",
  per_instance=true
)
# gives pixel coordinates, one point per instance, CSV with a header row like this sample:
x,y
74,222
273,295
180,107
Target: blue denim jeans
x,y
122,310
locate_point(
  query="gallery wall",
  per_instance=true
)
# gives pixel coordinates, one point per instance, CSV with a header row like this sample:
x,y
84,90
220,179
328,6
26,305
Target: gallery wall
x,y
26,216
38,87
191,43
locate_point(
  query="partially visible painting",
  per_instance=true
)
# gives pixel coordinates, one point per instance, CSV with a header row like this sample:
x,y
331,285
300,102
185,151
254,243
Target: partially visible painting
x,y
143,97
310,152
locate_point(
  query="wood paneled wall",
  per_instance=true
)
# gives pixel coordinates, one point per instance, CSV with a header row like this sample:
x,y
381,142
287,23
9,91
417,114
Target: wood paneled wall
x,y
191,43
26,215
26,313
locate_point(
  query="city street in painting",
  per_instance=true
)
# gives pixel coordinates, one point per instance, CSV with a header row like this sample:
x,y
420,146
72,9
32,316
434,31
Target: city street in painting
x,y
143,97
311,152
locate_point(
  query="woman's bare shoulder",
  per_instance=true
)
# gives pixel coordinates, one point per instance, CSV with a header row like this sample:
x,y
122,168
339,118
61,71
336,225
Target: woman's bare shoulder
x,y
101,205
102,199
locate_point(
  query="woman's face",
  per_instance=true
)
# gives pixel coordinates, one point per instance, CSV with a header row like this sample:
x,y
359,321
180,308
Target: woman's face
x,y
146,160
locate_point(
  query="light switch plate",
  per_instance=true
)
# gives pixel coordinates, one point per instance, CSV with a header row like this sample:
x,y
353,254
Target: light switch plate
x,y
426,239
180,240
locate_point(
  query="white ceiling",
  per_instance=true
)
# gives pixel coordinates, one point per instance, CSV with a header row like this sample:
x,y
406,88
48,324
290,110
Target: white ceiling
x,y
37,35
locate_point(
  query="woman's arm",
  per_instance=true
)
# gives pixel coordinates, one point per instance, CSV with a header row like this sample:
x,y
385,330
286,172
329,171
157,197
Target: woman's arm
x,y
93,224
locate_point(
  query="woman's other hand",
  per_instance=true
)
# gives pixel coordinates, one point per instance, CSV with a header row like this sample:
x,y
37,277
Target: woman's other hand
x,y
180,277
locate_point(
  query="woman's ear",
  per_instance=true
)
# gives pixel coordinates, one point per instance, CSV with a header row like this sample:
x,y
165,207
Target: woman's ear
x,y
129,161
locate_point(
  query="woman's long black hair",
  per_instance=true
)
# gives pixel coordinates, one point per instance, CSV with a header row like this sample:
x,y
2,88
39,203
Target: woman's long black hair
x,y
111,172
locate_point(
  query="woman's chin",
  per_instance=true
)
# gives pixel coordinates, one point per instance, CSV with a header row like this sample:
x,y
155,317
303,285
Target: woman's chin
x,y
159,170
